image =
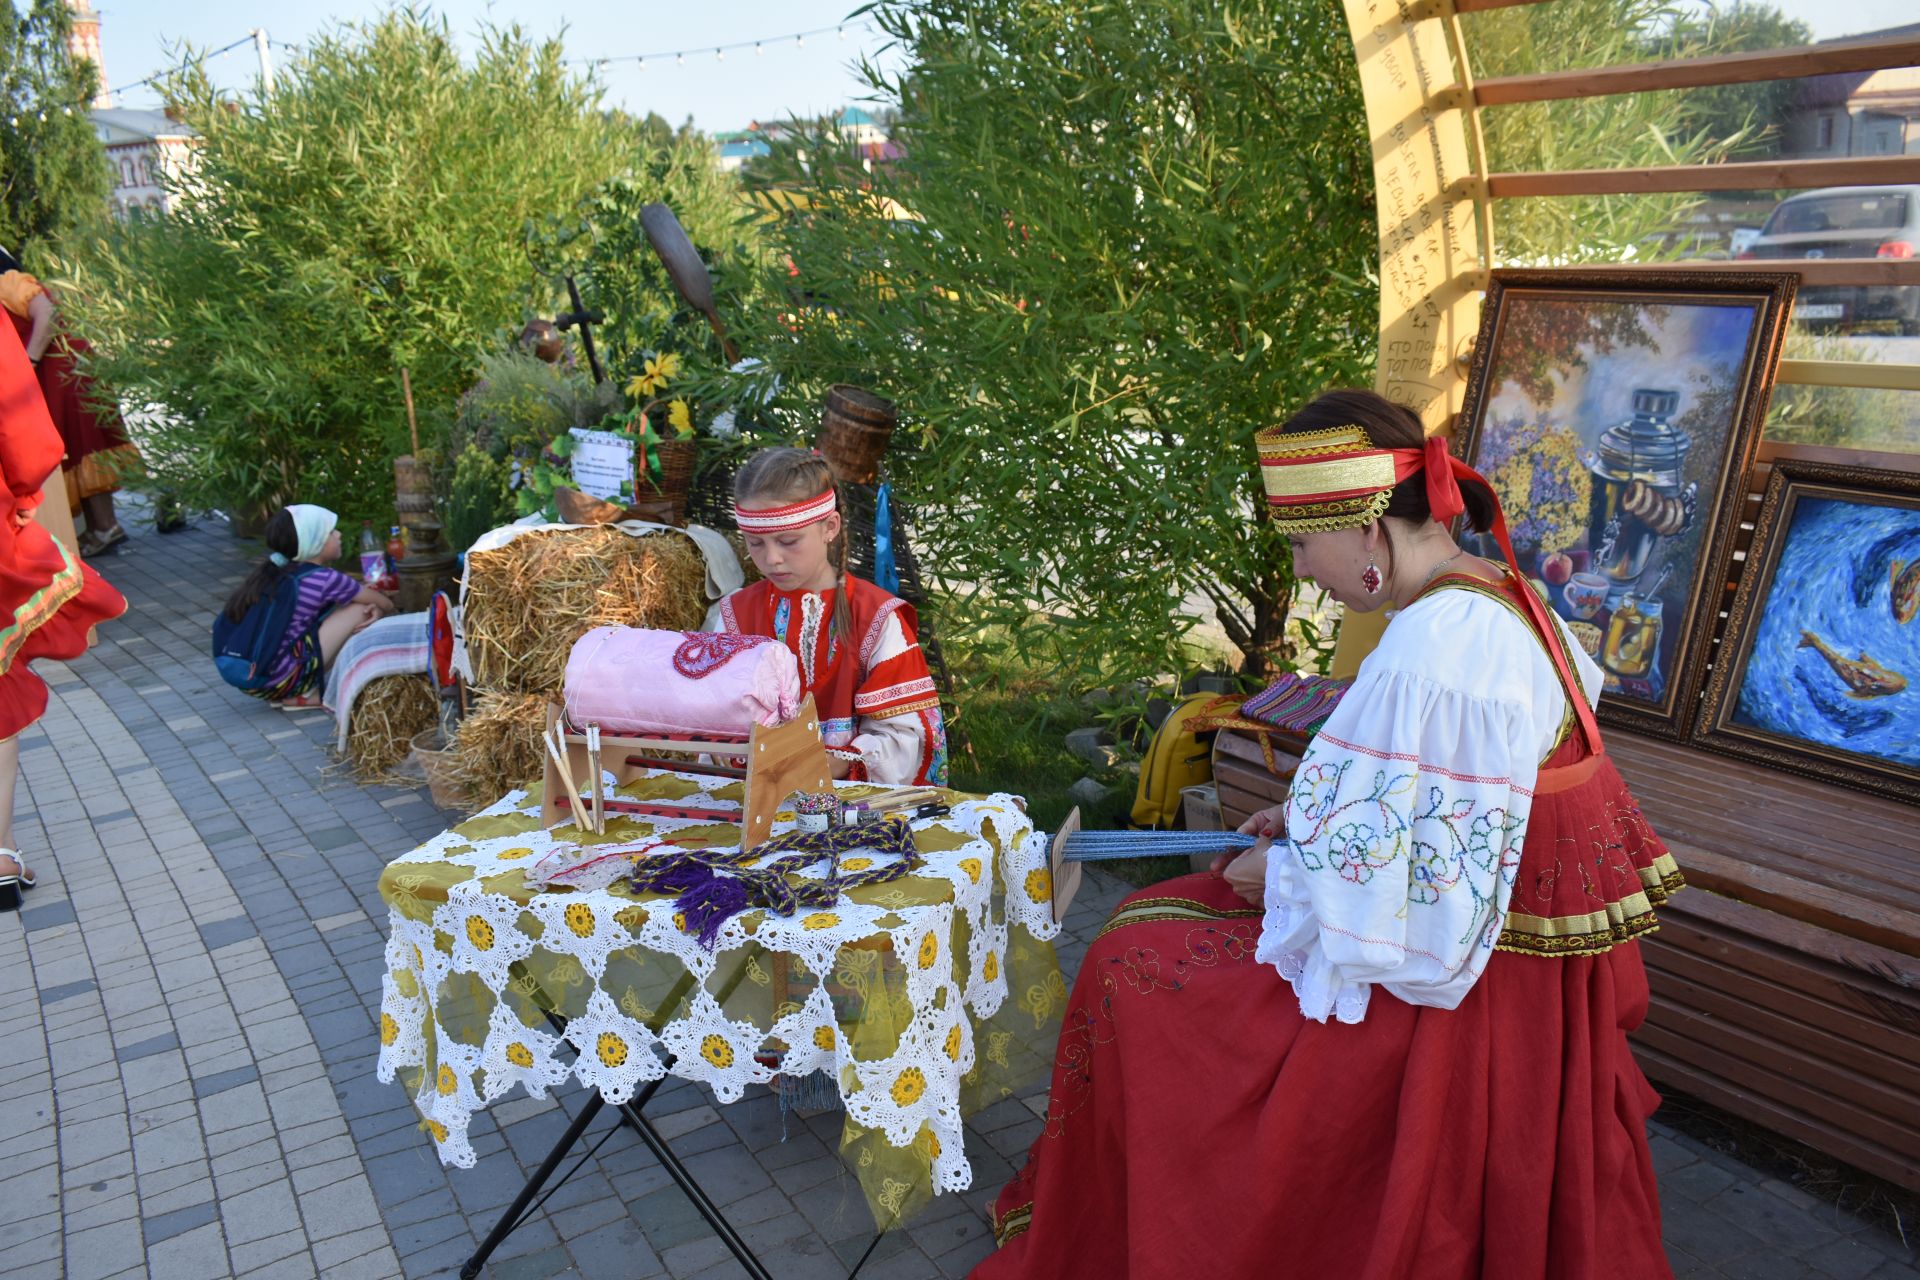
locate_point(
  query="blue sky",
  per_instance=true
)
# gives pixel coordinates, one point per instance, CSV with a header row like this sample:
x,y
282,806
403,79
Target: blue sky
x,y
783,80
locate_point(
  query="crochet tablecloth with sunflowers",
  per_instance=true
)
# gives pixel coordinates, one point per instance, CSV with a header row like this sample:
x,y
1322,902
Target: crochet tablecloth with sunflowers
x,y
898,997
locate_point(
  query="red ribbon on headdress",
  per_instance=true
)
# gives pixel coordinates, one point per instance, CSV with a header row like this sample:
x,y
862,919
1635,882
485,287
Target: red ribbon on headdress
x,y
1444,476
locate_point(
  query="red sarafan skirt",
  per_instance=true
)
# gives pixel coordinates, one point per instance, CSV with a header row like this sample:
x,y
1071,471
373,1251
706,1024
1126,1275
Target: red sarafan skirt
x,y
1199,1126
50,603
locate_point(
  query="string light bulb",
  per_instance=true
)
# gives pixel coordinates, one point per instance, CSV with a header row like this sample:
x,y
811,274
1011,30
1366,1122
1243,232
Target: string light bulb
x,y
757,50
642,63
719,55
680,59
843,33
799,42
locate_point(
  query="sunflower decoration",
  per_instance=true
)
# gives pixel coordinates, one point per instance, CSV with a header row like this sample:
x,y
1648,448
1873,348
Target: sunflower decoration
x,y
656,372
1543,486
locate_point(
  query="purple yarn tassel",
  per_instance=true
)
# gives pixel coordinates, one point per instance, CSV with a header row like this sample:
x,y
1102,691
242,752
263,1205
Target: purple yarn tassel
x,y
711,904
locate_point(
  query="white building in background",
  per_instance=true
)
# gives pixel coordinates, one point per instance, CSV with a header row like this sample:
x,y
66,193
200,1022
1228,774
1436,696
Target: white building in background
x,y
142,146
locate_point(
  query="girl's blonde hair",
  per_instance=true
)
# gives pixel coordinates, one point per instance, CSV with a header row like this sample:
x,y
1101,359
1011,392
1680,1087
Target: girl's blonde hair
x,y
774,477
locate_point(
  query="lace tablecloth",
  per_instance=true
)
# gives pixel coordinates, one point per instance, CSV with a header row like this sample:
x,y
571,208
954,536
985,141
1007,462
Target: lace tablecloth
x,y
898,997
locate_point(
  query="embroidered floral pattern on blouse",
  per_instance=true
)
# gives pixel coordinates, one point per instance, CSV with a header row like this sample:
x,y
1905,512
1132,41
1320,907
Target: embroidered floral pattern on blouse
x,y
1358,828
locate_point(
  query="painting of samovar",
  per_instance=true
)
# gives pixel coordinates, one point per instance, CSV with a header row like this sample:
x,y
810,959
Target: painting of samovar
x,y
1640,491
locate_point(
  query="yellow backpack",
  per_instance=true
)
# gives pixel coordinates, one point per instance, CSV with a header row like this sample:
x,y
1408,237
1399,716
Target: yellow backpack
x,y
1176,758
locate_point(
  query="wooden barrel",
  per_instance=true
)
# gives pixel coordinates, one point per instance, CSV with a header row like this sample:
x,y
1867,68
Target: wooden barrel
x,y
412,488
855,430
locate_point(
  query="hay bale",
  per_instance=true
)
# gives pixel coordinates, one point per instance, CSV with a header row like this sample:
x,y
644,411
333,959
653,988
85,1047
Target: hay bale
x,y
387,716
497,747
527,602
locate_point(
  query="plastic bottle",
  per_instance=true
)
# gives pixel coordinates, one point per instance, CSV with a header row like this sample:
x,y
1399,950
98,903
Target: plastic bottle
x,y
396,549
373,561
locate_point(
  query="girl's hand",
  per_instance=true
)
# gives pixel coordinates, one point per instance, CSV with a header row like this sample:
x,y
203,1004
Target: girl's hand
x,y
1246,875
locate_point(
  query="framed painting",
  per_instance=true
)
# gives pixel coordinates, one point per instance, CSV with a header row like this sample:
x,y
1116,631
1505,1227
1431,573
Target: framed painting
x,y
1616,413
1822,647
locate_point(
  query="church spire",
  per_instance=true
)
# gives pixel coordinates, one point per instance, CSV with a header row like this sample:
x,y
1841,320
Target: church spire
x,y
84,45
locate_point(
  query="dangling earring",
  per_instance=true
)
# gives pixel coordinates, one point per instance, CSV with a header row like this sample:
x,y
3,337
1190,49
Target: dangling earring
x,y
1370,577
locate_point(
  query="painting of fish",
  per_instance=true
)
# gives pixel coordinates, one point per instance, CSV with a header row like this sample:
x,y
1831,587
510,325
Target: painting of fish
x,y
1817,668
1864,677
1904,597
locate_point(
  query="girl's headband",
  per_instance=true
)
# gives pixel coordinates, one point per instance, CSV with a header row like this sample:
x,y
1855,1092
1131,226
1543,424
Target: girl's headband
x,y
785,519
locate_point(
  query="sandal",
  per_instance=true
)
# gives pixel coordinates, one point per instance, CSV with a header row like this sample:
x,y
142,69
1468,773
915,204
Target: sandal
x,y
14,881
301,702
93,544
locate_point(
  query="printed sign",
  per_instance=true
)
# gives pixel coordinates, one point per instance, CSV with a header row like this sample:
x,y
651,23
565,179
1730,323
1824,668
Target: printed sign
x,y
602,464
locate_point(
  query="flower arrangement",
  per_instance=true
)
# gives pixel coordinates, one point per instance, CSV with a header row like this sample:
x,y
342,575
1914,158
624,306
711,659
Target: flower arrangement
x,y
1546,490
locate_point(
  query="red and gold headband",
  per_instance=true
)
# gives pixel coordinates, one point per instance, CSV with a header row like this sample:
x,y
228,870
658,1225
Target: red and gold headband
x,y
795,515
1336,479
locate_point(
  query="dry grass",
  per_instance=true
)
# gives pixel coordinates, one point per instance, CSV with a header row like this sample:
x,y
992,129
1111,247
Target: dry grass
x,y
497,747
387,715
527,602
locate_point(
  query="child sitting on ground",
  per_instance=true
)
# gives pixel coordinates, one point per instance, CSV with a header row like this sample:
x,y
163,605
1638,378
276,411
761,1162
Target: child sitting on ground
x,y
330,606
856,644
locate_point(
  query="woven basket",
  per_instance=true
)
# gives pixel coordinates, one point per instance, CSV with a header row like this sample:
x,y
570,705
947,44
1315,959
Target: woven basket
x,y
676,476
435,760
855,430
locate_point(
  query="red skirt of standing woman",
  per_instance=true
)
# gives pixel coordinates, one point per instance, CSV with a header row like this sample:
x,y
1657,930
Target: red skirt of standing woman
x,y
50,602
1198,1125
94,438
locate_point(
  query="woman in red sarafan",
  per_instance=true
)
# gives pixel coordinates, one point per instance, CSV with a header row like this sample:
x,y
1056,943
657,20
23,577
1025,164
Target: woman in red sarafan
x,y
1391,1041
95,440
49,601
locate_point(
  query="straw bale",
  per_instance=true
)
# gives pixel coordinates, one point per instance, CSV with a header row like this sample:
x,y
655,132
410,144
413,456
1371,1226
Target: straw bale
x,y
387,715
497,747
527,602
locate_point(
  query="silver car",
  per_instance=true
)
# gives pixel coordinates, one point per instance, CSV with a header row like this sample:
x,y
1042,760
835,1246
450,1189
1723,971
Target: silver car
x,y
1847,222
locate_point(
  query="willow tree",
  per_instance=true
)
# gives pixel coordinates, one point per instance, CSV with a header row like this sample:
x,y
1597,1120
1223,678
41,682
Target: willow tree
x,y
1122,239
368,215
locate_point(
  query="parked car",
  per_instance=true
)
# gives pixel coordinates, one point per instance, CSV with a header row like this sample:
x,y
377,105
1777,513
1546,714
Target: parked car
x,y
1847,222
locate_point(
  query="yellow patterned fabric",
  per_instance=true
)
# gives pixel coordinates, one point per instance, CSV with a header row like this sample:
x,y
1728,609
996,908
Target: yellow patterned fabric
x,y
918,1001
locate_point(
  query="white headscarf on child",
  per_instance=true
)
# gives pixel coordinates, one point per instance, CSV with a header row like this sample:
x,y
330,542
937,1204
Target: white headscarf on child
x,y
312,525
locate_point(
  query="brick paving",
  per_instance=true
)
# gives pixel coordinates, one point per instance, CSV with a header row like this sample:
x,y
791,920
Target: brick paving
x,y
190,1065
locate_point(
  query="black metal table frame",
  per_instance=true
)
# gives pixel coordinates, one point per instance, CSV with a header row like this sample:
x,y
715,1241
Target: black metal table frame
x,y
632,1116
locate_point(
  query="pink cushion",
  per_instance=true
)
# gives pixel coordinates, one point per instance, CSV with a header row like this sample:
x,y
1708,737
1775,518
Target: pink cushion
x,y
633,681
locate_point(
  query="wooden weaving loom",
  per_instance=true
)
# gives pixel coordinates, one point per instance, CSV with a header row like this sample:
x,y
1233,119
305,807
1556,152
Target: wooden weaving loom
x,y
780,761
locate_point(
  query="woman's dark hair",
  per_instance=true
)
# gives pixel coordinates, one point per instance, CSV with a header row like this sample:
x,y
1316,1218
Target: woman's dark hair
x,y
1389,426
281,536
9,263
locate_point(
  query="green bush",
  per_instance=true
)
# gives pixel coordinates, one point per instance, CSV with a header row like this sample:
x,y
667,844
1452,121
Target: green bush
x,y
369,215
478,498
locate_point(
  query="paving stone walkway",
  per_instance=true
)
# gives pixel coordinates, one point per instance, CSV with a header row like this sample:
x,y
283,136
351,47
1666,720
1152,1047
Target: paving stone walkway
x,y
189,1055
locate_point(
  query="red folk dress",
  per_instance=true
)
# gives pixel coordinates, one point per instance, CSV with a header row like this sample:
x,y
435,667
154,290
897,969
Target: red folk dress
x,y
876,698
1201,1123
49,601
95,442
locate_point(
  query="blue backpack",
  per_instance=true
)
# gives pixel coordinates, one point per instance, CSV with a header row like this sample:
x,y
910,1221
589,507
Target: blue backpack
x,y
244,651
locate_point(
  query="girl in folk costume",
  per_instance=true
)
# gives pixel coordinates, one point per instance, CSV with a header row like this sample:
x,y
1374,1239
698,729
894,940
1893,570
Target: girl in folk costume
x,y
859,655
49,601
1390,1040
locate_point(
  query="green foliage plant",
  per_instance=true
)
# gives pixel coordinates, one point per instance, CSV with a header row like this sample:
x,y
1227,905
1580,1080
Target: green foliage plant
x,y
368,215
53,170
1133,235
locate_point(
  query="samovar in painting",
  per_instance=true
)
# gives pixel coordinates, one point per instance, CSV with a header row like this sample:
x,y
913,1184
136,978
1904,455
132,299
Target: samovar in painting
x,y
1640,496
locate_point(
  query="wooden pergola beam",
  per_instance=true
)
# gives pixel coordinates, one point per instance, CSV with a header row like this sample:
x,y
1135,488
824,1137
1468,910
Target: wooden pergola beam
x,y
1819,271
1763,175
1692,73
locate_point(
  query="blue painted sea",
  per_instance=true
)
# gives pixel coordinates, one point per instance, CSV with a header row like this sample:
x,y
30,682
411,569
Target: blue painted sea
x,y
1834,580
